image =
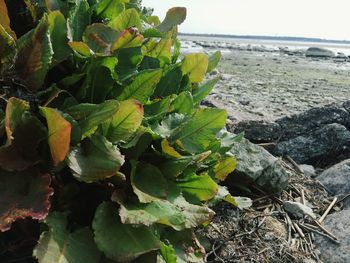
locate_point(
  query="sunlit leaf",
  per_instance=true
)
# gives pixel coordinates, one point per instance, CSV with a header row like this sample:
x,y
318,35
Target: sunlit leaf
x,y
128,18
125,121
197,134
128,38
81,48
175,16
121,242
183,103
214,60
59,134
224,168
169,150
162,51
167,253
142,87
23,195
109,8
13,115
204,90
195,65
59,244
95,159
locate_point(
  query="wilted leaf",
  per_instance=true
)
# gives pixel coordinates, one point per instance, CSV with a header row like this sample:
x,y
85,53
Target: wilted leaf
x,y
175,16
224,168
58,34
214,60
201,187
197,134
90,116
128,38
5,20
203,91
142,87
119,241
128,18
100,38
195,65
34,55
125,121
240,202
23,195
95,159
59,134
59,244
79,19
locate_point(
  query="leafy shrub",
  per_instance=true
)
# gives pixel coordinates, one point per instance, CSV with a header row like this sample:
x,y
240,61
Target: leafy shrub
x,y
103,138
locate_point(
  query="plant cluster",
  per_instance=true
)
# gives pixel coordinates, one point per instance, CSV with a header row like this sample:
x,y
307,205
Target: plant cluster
x,y
103,140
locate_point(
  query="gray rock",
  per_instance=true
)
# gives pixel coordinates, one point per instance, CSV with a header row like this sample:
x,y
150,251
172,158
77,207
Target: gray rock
x,y
319,52
255,164
322,146
298,209
339,225
337,180
259,131
308,170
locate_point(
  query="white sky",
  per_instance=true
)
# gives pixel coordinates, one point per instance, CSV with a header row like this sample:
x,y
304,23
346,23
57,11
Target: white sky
x,y
305,18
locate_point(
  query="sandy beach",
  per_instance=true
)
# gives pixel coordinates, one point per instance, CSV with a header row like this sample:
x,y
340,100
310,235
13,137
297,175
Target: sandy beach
x,y
266,81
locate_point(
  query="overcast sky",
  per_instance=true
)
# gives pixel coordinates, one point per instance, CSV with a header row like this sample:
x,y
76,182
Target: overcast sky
x,y
305,18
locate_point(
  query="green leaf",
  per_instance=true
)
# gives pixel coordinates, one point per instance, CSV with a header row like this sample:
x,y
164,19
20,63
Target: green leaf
x,y
59,134
128,38
79,19
59,244
34,55
201,187
126,19
176,53
23,195
58,34
170,124
197,134
170,82
100,38
125,121
167,252
142,87
95,159
157,109
183,103
148,182
119,241
240,202
109,8
7,49
203,91
162,51
214,60
90,116
169,150
128,61
175,16
195,65
224,168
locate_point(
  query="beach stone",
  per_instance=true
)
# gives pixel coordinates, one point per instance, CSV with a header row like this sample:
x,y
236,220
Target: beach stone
x,y
339,225
323,146
319,52
259,131
337,180
255,164
298,209
308,170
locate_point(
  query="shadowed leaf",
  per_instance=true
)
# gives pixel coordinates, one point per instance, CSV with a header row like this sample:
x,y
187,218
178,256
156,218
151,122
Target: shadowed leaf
x,y
59,244
100,38
78,20
5,20
95,159
203,91
23,195
119,241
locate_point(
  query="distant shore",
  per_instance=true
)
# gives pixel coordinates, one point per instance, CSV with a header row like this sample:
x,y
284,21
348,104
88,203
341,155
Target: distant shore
x,y
273,38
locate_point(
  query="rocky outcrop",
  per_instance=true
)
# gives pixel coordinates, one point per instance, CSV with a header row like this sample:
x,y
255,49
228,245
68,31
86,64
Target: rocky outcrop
x,y
339,225
319,52
337,180
319,135
256,165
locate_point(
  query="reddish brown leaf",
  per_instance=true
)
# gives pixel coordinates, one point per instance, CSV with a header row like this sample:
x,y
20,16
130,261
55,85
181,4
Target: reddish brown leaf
x,y
5,20
22,195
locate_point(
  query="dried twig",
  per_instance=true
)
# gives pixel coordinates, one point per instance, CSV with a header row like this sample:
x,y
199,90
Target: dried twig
x,y
327,210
